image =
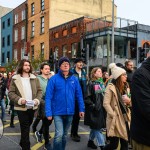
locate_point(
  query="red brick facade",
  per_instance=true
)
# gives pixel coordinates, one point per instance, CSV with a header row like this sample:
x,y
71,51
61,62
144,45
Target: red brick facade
x,y
19,22
67,34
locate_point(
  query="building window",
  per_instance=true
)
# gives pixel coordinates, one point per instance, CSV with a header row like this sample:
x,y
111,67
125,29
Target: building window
x,y
22,53
8,40
73,50
32,28
8,22
3,57
15,54
64,48
32,52
22,33
42,49
42,5
16,18
8,57
56,53
56,35
3,25
74,30
32,9
23,14
42,24
3,42
16,35
65,32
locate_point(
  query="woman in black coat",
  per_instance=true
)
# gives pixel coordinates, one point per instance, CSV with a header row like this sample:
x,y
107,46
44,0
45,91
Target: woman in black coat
x,y
94,111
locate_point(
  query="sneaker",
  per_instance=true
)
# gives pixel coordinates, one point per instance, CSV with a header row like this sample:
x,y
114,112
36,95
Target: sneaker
x,y
91,144
12,125
38,137
75,138
48,147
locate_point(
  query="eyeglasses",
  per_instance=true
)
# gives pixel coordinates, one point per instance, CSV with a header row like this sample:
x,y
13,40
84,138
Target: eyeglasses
x,y
65,64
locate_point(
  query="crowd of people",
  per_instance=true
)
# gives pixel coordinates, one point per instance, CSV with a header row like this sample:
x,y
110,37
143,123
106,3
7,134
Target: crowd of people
x,y
114,104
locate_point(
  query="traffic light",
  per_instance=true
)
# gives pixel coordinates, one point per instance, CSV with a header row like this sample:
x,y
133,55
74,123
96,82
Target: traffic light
x,y
83,54
141,54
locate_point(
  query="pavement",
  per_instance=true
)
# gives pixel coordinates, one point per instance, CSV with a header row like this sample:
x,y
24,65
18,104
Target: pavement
x,y
11,137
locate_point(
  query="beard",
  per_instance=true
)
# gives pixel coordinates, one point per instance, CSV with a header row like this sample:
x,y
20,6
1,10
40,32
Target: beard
x,y
26,70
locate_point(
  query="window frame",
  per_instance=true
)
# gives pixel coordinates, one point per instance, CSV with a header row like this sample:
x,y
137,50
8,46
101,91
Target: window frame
x,y
42,5
8,40
16,18
42,25
22,32
32,28
42,49
32,9
16,35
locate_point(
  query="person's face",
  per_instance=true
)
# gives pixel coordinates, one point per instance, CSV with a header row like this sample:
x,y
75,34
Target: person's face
x,y
9,74
106,75
98,73
26,67
79,64
45,70
124,77
130,66
65,66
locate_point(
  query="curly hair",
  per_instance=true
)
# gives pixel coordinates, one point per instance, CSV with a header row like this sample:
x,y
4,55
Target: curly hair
x,y
21,64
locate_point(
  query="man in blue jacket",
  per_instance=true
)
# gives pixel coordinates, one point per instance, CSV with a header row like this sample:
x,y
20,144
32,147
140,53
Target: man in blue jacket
x,y
61,92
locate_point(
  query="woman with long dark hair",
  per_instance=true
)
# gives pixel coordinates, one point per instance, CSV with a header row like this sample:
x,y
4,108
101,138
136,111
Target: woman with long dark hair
x,y
116,103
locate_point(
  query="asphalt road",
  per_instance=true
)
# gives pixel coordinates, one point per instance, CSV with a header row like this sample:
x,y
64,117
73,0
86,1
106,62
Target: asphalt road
x,y
11,137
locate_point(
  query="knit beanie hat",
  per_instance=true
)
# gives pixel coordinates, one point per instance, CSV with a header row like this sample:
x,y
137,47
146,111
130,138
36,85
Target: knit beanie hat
x,y
63,59
116,71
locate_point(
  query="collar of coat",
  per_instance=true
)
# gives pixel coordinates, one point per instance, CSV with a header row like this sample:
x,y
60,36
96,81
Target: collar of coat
x,y
113,89
32,76
17,80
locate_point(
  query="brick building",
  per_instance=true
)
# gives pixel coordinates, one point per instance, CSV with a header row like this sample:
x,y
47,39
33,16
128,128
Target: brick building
x,y
38,28
66,39
19,31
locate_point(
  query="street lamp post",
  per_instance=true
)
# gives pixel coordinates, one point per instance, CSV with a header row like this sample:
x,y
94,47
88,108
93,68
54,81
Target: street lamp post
x,y
112,41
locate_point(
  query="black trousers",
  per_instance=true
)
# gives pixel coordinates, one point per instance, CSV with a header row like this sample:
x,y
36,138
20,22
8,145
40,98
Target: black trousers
x,y
75,121
45,126
25,119
35,123
114,142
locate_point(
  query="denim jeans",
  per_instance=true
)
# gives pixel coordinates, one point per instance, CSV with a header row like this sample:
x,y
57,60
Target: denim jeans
x,y
62,124
99,137
2,104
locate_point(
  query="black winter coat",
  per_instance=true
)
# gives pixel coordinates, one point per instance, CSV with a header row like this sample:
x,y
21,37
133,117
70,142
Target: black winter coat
x,y
94,112
140,95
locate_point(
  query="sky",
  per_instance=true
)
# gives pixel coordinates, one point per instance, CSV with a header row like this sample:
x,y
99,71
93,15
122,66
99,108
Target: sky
x,y
137,10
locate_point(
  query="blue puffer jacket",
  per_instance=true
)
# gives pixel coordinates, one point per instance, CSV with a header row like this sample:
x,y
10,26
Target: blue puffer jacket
x,y
61,94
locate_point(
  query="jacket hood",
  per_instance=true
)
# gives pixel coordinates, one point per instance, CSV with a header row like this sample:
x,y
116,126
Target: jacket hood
x,y
146,64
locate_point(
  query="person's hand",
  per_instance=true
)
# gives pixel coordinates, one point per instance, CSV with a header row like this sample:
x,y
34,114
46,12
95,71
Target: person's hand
x,y
126,99
35,103
49,118
81,114
23,101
